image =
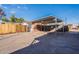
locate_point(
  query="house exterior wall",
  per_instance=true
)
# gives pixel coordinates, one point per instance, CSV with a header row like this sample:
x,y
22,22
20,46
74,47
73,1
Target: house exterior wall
x,y
34,27
73,28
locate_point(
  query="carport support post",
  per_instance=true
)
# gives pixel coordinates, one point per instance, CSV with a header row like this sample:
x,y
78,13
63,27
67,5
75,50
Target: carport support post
x,y
63,28
41,25
55,25
55,22
44,25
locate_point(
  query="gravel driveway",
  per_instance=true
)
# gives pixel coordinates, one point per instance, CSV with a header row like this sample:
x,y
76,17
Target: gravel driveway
x,y
12,42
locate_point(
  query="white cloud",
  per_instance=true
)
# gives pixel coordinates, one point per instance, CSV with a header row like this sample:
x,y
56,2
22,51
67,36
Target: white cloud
x,y
0,5
12,12
5,7
18,7
26,8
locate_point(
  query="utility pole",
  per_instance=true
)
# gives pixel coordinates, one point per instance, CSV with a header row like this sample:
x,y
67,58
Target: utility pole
x,y
63,27
65,21
55,22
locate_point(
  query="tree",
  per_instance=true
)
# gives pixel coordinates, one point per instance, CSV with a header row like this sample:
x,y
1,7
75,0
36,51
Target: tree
x,y
12,18
4,19
19,20
1,13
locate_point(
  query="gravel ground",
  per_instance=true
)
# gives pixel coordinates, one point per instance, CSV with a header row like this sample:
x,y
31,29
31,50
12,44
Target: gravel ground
x,y
12,42
53,43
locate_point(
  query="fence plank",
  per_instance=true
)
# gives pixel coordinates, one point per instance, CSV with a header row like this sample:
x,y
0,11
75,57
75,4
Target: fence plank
x,y
12,28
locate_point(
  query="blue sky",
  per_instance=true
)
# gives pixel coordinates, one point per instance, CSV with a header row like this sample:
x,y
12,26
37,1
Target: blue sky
x,y
68,12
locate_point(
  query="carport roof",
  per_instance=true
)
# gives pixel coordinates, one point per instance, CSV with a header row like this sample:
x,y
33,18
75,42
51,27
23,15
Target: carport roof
x,y
49,19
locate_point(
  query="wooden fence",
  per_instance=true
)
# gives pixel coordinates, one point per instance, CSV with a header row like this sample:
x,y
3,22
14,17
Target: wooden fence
x,y
12,28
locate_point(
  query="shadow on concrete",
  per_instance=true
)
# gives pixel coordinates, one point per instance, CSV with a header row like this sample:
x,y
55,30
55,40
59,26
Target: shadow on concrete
x,y
53,43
